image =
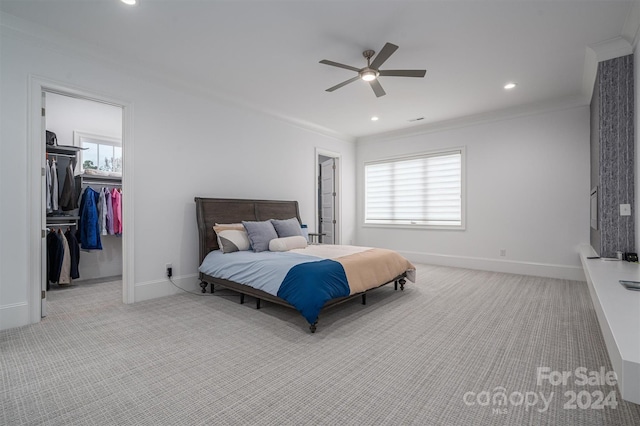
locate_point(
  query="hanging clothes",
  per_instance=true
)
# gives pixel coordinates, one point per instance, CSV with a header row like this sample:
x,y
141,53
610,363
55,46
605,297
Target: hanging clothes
x,y
65,269
102,211
120,210
74,253
54,185
68,198
55,253
47,169
88,226
80,195
109,202
117,211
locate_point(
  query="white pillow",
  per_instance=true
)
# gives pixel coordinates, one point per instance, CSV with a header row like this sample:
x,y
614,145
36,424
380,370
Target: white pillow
x,y
232,237
287,243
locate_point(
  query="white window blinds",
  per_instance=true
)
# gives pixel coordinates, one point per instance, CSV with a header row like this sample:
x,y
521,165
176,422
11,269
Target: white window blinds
x,y
424,190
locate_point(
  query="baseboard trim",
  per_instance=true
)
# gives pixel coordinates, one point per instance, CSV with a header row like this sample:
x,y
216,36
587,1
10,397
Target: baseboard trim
x,y
160,288
549,270
14,315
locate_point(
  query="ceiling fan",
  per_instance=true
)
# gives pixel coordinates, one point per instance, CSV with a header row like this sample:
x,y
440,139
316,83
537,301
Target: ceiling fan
x,y
372,71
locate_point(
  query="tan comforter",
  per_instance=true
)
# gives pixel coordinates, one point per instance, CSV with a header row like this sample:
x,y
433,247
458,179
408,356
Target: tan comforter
x,y
365,267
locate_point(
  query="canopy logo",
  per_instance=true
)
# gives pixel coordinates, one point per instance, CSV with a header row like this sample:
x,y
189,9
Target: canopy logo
x,y
500,399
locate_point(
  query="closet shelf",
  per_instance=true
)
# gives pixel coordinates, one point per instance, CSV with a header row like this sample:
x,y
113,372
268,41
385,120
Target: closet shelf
x,y
62,218
87,178
57,221
63,149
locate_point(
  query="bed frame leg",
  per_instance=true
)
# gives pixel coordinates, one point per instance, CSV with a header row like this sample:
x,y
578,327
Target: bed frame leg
x,y
395,285
212,288
402,283
203,286
313,327
364,298
242,298
257,303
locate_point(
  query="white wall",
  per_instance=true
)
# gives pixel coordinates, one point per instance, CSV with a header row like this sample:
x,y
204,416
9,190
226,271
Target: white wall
x,y
527,191
184,145
65,115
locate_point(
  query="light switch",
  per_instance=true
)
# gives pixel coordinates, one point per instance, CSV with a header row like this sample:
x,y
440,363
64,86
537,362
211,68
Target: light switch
x,y
625,209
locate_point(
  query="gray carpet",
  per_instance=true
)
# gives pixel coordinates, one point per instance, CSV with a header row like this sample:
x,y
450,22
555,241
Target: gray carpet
x,y
406,358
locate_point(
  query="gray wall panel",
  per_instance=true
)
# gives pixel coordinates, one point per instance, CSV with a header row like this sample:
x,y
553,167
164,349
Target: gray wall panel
x,y
613,102
594,234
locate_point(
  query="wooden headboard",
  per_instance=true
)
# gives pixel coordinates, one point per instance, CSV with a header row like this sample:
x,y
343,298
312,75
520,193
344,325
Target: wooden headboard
x,y
210,211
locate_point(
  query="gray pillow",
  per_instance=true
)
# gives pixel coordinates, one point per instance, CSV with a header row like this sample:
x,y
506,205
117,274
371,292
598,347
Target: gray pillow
x,y
287,228
260,234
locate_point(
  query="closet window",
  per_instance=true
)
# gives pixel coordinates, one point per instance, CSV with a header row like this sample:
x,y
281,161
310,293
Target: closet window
x,y
100,153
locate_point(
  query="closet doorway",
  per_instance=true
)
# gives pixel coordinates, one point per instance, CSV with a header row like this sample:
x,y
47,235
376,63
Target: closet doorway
x,y
328,197
88,149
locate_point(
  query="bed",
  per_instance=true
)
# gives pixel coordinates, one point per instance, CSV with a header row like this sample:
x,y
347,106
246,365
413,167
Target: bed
x,y
311,268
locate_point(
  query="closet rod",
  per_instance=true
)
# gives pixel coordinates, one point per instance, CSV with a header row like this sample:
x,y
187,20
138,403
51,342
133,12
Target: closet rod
x,y
60,155
58,225
98,182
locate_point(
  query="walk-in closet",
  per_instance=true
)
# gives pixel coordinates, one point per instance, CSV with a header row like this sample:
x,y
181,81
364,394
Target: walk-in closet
x,y
83,192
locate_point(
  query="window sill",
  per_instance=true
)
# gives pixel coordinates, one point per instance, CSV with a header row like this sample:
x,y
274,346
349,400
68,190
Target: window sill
x,y
408,226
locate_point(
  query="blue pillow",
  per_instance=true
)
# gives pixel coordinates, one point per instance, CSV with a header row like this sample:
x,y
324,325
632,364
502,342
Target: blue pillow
x,y
287,228
260,234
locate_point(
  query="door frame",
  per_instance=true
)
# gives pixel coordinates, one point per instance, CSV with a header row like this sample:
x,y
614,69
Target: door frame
x,y
338,185
35,205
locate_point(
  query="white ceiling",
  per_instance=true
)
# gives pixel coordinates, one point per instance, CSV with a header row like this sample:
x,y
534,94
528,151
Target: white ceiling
x,y
265,53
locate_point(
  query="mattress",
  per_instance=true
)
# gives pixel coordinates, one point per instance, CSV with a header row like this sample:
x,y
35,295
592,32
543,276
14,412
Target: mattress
x,y
308,278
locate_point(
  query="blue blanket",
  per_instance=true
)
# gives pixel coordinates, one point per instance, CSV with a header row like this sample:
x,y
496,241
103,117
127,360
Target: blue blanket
x,y
308,286
305,282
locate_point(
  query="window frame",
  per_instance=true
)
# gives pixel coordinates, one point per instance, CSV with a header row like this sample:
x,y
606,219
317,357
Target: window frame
x,y
79,136
423,154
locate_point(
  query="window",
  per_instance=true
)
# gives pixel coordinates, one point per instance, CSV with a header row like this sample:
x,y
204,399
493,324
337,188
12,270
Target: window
x,y
424,190
99,152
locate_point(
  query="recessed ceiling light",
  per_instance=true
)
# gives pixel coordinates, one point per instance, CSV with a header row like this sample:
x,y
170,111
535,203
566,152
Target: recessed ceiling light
x,y
374,118
129,2
510,86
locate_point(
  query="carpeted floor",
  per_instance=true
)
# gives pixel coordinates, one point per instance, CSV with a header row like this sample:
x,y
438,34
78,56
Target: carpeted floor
x,y
440,353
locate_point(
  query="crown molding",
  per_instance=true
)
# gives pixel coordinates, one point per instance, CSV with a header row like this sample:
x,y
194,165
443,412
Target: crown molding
x,y
509,113
612,48
604,51
12,26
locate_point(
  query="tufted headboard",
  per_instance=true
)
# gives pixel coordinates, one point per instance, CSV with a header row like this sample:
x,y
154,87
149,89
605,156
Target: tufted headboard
x,y
210,211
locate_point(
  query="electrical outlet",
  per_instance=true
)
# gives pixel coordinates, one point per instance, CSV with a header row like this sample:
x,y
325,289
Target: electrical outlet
x,y
503,252
169,269
625,209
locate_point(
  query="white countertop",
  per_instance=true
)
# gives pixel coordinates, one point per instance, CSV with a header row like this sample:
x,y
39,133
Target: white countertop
x,y
621,310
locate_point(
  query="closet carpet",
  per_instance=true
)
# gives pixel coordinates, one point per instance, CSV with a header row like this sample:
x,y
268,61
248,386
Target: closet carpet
x,y
439,353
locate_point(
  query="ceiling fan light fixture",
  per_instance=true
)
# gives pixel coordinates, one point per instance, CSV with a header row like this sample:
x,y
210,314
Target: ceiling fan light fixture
x,y
368,75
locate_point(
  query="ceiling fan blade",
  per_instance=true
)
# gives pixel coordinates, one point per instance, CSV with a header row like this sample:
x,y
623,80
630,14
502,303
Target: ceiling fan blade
x,y
336,64
344,83
384,54
377,88
403,73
